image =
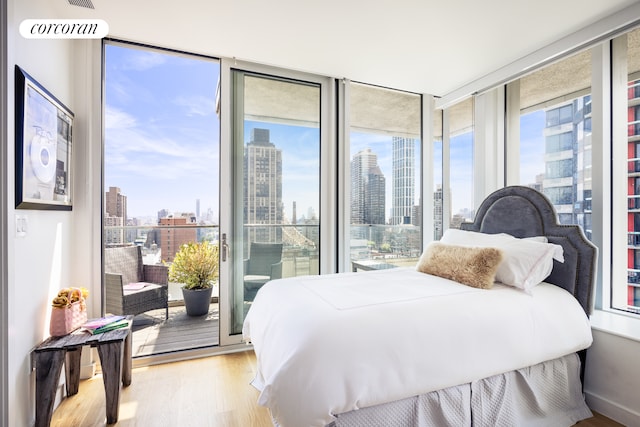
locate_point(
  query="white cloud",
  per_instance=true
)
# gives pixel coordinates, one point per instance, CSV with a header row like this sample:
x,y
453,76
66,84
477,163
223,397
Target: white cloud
x,y
197,105
139,60
118,119
149,153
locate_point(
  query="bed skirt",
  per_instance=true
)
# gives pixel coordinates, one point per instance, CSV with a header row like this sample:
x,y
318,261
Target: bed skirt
x,y
548,394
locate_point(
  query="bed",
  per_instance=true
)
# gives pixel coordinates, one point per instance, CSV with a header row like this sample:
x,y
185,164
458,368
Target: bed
x,y
496,337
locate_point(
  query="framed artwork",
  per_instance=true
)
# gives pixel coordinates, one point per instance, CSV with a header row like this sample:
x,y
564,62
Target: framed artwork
x,y
44,145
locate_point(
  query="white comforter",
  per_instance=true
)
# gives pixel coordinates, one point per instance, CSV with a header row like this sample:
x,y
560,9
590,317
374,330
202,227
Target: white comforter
x,y
334,343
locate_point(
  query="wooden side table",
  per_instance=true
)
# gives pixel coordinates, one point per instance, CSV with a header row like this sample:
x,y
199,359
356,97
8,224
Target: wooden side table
x,y
114,350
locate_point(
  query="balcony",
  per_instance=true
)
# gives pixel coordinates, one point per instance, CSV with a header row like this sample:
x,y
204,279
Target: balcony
x,y
633,281
372,246
633,240
633,167
152,334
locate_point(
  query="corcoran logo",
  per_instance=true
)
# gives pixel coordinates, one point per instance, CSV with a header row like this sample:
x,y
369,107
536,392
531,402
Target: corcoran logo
x,y
64,28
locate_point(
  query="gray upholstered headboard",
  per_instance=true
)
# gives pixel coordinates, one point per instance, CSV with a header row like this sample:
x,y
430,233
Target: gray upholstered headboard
x,y
525,212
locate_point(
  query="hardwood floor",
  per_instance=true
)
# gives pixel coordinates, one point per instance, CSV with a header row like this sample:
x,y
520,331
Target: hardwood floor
x,y
212,391
598,420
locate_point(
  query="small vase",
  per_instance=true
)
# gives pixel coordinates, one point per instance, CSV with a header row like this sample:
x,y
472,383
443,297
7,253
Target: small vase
x,y
197,301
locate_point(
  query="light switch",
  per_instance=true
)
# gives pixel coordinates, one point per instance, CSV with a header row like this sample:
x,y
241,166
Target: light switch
x,y
21,225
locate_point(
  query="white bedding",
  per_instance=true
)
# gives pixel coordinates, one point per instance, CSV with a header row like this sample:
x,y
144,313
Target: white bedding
x,y
334,343
548,394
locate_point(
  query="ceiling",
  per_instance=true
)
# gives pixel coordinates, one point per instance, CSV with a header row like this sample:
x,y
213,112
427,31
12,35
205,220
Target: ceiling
x,y
422,46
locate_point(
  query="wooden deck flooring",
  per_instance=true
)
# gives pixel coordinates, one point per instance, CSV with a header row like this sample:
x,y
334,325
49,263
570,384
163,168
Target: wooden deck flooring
x,y
152,334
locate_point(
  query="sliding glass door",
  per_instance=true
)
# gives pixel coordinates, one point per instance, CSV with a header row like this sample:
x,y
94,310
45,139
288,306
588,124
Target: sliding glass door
x,y
274,215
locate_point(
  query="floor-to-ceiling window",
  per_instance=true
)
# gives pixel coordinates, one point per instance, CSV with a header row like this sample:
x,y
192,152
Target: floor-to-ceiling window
x,y
556,154
384,164
626,295
275,184
161,165
458,187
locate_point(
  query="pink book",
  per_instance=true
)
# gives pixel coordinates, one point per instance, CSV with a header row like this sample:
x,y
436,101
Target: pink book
x,y
101,321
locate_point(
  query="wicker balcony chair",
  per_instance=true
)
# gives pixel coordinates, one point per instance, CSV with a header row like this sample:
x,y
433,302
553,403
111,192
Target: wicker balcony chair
x,y
132,287
264,264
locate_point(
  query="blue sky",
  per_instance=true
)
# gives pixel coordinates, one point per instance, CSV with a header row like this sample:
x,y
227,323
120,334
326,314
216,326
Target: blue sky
x,y
162,131
531,146
162,140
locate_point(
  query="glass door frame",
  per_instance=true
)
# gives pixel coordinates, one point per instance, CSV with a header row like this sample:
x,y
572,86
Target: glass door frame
x,y
328,177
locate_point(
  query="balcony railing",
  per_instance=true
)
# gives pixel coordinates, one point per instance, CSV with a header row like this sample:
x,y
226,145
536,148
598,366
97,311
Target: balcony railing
x,y
633,128
384,245
633,165
300,255
633,239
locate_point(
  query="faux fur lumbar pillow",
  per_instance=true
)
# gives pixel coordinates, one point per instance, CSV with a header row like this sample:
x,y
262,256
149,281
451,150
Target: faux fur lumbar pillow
x,y
468,265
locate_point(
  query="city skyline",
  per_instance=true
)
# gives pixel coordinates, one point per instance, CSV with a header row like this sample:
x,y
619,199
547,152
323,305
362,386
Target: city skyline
x,y
162,130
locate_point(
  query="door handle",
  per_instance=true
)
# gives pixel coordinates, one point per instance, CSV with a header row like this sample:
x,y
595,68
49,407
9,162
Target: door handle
x,y
225,247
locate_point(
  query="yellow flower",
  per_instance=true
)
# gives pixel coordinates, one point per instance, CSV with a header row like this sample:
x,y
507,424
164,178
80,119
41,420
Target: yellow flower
x,y
67,296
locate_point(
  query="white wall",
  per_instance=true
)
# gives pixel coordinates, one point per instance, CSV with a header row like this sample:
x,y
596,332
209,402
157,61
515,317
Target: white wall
x,y
612,378
63,248
54,253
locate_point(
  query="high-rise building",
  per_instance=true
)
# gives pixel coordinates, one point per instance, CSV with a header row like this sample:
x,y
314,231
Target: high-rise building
x,y
403,185
176,234
438,212
113,231
567,158
294,218
198,209
633,190
116,203
416,216
367,189
163,213
375,197
263,187
115,217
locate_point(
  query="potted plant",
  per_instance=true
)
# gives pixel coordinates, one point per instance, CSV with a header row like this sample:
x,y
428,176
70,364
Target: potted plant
x,y
195,265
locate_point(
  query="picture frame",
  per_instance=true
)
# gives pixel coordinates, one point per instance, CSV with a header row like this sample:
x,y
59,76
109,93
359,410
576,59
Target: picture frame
x,y
44,147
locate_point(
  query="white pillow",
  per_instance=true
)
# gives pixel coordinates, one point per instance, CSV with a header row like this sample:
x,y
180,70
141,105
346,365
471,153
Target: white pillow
x,y
526,262
541,239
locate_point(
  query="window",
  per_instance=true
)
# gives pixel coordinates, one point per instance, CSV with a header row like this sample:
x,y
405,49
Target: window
x,y
626,296
161,158
384,163
555,136
460,137
559,169
559,142
558,116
